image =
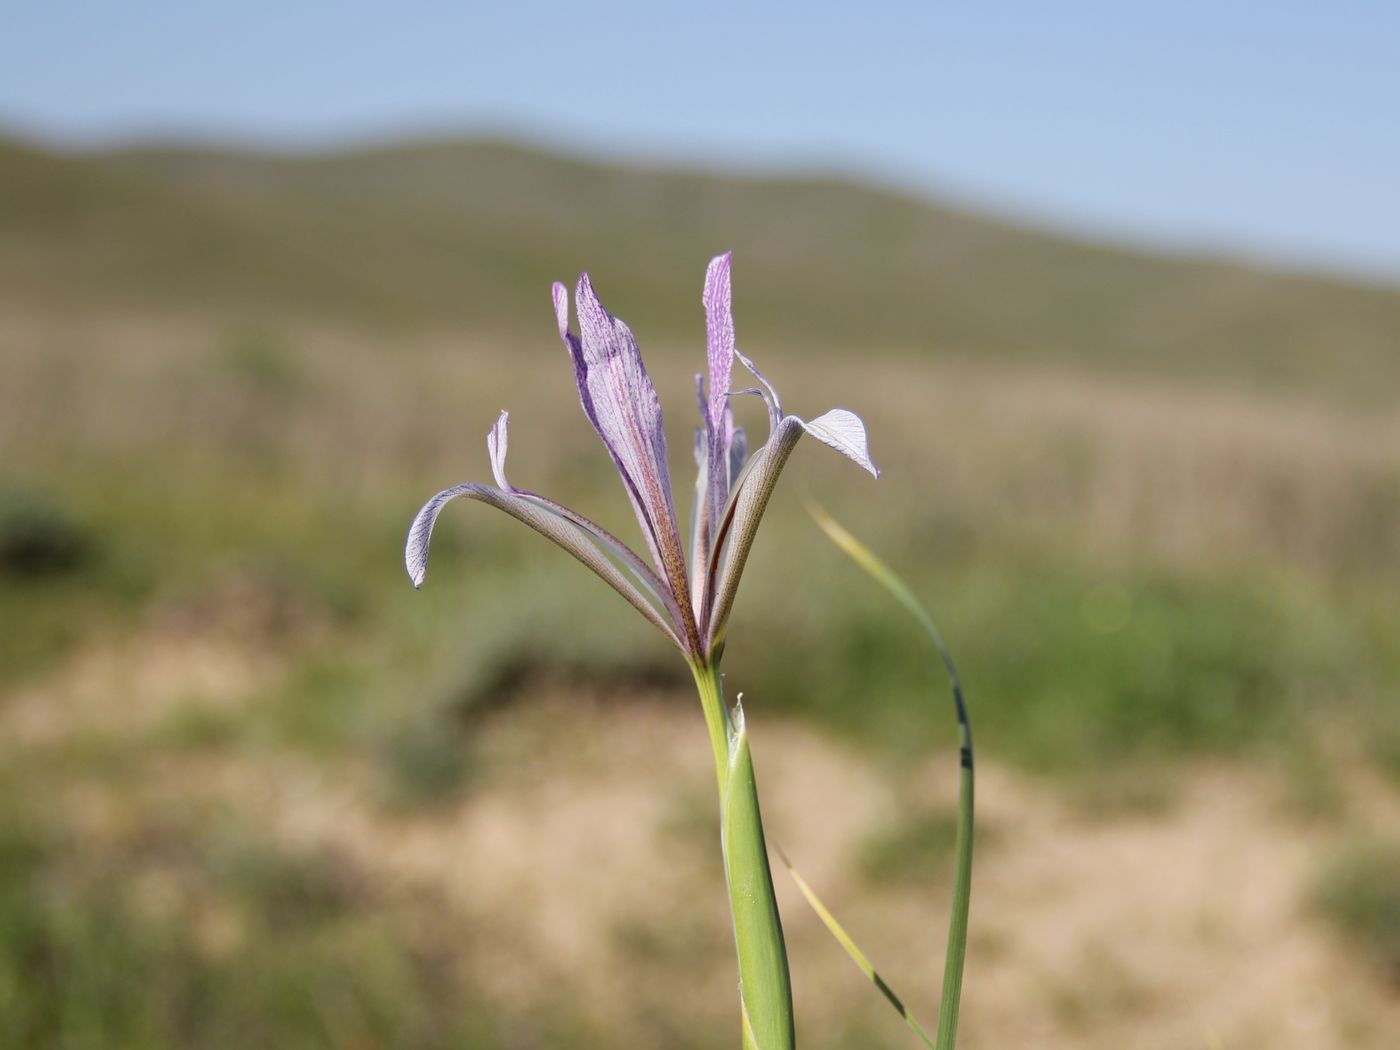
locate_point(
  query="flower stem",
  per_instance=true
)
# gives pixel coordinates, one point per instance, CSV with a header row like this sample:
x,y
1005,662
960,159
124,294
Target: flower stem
x,y
765,987
707,682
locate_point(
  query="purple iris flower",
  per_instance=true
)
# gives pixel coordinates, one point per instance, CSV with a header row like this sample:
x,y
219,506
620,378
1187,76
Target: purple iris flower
x,y
687,594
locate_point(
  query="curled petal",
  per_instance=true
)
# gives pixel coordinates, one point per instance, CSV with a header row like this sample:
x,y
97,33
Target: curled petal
x,y
844,432
768,392
543,520
496,443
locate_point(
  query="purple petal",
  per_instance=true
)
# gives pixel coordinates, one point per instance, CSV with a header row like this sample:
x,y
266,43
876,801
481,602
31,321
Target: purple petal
x,y
714,409
620,401
719,332
496,443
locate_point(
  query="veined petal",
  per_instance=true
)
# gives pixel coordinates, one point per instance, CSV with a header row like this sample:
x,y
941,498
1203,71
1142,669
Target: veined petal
x,y
620,401
644,575
719,333
544,521
843,431
712,489
497,441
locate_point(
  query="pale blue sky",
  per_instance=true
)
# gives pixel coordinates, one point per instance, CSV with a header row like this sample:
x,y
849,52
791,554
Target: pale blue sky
x,y
1268,129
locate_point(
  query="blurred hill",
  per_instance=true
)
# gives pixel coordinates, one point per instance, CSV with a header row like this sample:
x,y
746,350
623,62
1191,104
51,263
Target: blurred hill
x,y
470,232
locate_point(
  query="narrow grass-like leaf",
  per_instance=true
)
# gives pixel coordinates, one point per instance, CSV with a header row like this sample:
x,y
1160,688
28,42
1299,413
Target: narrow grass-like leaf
x,y
951,996
852,949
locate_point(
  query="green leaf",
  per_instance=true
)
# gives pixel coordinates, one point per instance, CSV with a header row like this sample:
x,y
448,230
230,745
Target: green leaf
x,y
765,987
962,878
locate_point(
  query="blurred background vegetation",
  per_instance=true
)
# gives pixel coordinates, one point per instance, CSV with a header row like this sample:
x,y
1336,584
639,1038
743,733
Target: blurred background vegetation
x,y
257,791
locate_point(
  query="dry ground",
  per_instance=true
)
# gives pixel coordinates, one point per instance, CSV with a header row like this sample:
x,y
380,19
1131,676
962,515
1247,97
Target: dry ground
x,y
581,870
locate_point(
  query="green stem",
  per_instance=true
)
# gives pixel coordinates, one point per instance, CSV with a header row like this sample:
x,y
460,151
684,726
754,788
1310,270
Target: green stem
x,y
765,986
707,682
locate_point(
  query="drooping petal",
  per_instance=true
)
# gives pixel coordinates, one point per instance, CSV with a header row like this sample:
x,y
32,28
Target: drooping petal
x,y
497,442
643,574
620,401
737,529
843,431
544,521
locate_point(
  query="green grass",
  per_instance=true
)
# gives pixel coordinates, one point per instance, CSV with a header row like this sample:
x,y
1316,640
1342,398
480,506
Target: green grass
x,y
1359,894
1187,664
276,950
916,851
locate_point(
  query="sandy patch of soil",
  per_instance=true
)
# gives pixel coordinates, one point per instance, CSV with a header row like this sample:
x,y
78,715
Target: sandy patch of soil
x,y
584,870
207,653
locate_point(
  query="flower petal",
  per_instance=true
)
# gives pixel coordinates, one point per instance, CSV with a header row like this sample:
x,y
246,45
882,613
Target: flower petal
x,y
719,333
713,484
769,393
843,431
651,584
496,443
544,521
738,454
740,524
620,401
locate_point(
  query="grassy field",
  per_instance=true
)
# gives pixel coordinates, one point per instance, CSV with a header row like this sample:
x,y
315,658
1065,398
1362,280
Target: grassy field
x,y
259,791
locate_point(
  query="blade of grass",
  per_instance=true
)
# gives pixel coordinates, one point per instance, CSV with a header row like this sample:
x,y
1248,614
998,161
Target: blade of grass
x,y
951,996
852,949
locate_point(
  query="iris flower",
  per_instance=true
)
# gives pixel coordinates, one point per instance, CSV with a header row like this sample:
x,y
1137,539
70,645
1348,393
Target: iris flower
x,y
687,592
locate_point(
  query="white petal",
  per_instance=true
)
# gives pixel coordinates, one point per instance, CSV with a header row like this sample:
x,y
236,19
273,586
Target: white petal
x,y
496,443
844,432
